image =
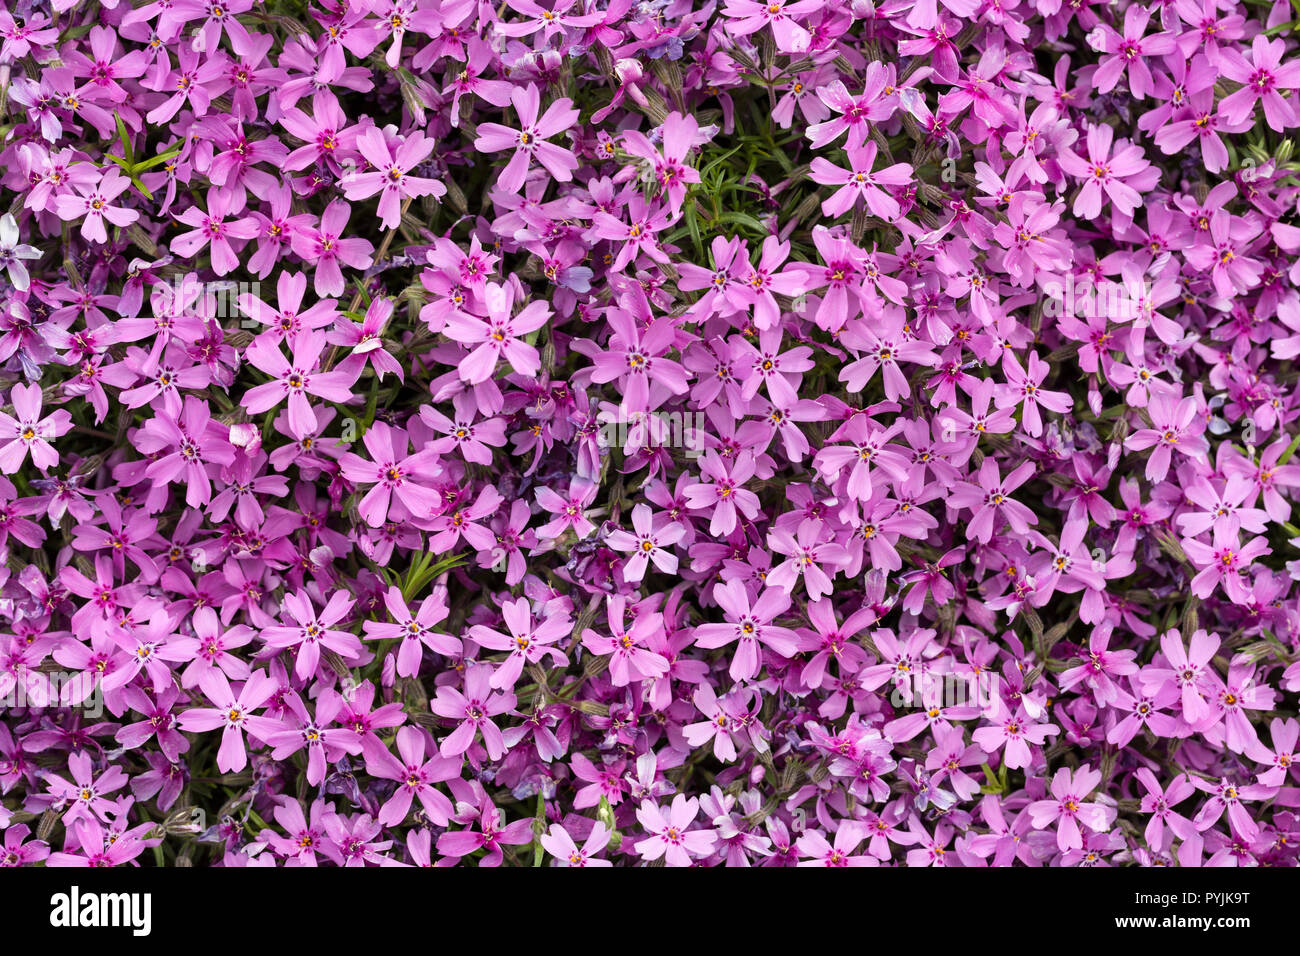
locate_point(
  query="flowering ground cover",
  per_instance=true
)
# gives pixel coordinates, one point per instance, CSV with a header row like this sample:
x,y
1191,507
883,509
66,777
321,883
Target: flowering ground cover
x,y
585,433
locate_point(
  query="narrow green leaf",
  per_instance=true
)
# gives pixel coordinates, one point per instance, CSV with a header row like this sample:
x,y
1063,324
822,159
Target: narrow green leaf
x,y
125,136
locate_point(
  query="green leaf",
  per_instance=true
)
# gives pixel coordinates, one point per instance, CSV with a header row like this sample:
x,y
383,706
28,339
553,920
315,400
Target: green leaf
x,y
147,164
743,219
995,784
539,827
125,137
411,586
372,403
140,187
422,572
1290,450
713,164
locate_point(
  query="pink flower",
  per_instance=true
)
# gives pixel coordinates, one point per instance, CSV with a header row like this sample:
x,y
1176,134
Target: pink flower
x,y
860,183
529,142
991,502
1159,802
1263,77
629,659
312,632
722,495
212,229
750,626
1122,176
391,174
1024,389
474,710
92,205
670,170
1067,810
29,432
498,336
1012,732
780,16
855,113
526,643
295,380
671,836
819,852
1172,418
1128,51
415,631
325,248
415,777
647,544
394,475
234,714
490,835
560,845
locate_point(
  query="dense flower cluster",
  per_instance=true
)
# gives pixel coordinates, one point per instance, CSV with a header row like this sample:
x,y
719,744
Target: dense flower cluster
x,y
599,432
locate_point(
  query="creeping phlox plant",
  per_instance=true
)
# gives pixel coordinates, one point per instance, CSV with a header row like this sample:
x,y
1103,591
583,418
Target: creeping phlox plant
x,y
597,432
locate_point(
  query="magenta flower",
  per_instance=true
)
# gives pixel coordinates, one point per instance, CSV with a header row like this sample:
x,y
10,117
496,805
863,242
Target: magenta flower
x,y
390,176
529,141
234,714
294,380
325,248
660,422
1172,430
860,183
818,851
855,113
96,205
1128,52
312,632
96,847
525,644
415,777
1121,176
557,842
399,480
472,438
303,835
805,551
29,432
414,631
492,832
751,16
671,836
324,744
188,447
639,236
680,134
647,544
750,626
214,649
991,502
1263,77
1067,809
722,496
498,336
629,658
474,710
214,229
85,796
1012,731
1160,802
